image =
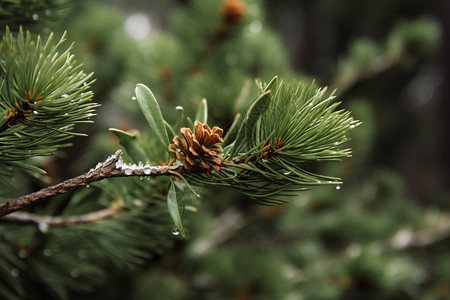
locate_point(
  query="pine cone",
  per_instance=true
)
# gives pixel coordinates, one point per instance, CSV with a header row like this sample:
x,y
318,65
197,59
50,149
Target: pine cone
x,y
199,147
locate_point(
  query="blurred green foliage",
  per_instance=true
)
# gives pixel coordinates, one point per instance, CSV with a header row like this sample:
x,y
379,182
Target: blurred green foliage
x,y
364,240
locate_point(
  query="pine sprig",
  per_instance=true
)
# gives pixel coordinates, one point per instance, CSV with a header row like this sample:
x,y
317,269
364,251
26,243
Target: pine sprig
x,y
287,127
44,93
303,124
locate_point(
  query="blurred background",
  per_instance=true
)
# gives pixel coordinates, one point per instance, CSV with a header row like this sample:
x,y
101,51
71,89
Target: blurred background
x,y
383,234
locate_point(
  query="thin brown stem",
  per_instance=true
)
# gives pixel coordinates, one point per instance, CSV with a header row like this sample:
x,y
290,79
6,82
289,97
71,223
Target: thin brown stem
x,y
112,167
44,221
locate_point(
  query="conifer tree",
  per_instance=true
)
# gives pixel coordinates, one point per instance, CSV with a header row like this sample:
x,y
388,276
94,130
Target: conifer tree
x,y
218,120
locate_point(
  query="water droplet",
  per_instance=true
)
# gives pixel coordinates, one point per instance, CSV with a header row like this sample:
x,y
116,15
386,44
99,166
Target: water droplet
x,y
175,230
128,171
87,185
35,17
35,112
14,272
64,96
111,157
47,252
22,253
75,273
338,187
43,227
287,173
141,178
141,164
352,126
133,98
119,164
179,108
147,171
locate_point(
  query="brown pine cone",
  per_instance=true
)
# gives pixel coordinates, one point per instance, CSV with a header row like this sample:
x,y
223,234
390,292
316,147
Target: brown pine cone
x,y
199,148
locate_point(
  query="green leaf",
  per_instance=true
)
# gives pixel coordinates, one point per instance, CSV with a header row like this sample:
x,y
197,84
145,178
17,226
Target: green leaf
x,y
170,129
187,192
174,208
252,116
202,112
232,132
128,141
152,113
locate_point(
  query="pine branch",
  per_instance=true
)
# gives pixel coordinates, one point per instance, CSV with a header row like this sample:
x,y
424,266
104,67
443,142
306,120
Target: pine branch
x,y
264,162
112,167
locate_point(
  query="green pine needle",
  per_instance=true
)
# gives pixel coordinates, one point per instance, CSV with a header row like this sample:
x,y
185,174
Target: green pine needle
x,y
44,93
